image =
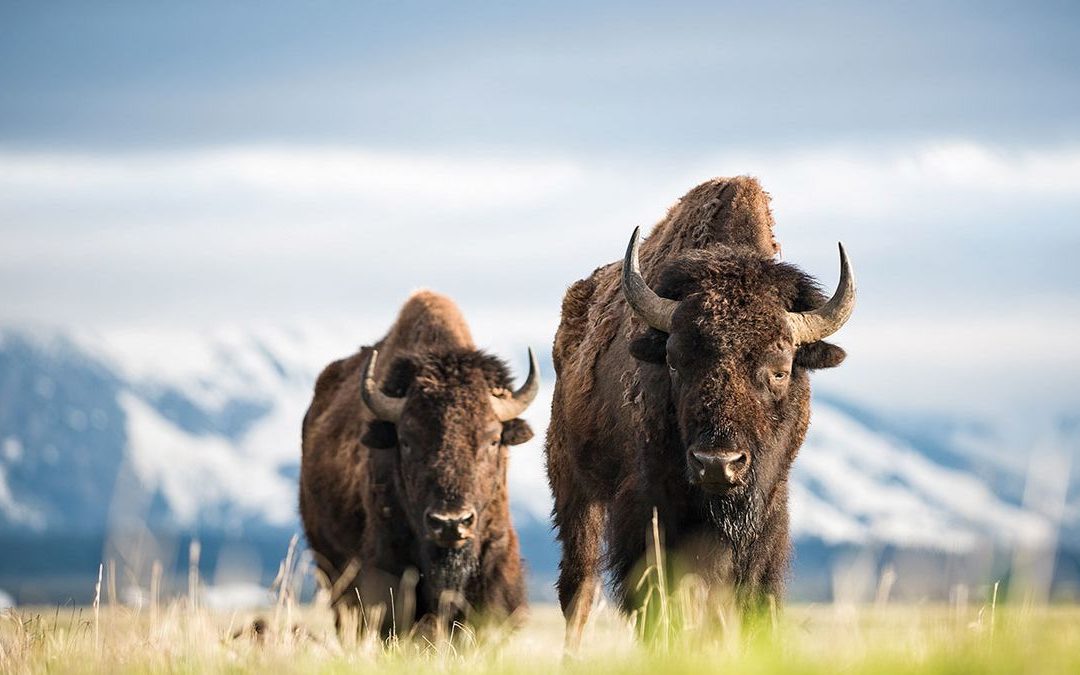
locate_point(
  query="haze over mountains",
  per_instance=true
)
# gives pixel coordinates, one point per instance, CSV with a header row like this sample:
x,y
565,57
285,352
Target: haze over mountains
x,y
128,444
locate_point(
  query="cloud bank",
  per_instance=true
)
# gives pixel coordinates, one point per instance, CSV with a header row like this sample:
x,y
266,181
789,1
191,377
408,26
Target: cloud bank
x,y
961,248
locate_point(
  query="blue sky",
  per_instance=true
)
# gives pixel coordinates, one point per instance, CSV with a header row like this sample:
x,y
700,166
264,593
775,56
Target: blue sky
x,y
620,78
196,163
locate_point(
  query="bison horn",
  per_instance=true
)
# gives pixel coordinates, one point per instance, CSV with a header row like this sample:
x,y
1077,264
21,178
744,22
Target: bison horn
x,y
385,407
655,311
508,407
820,323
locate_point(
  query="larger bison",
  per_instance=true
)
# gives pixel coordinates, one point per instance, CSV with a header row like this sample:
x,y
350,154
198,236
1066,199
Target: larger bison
x,y
684,388
403,489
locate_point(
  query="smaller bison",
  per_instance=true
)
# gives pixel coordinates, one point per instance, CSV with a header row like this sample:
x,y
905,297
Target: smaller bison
x,y
403,489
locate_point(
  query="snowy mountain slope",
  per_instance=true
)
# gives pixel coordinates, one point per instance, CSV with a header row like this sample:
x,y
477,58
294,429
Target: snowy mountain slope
x,y
62,434
199,432
209,423
853,485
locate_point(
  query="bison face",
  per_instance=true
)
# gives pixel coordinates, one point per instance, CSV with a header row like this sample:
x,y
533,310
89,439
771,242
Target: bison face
x,y
740,401
450,418
737,335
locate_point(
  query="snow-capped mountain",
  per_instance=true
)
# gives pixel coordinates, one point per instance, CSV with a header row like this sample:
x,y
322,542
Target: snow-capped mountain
x,y
197,434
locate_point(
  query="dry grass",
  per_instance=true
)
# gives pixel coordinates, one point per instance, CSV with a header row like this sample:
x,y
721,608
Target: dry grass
x,y
809,639
183,635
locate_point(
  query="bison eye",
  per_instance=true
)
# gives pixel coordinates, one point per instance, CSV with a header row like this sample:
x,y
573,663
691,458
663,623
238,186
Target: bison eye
x,y
779,375
494,443
405,449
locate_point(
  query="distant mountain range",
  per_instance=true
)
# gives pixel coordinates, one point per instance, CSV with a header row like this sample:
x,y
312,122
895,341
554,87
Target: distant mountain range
x,y
127,445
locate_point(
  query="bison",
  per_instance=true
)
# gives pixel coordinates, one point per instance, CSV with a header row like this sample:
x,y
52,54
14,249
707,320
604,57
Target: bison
x,y
684,388
403,491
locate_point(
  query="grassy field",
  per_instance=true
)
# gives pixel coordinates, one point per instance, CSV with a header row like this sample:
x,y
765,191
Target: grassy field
x,y
809,639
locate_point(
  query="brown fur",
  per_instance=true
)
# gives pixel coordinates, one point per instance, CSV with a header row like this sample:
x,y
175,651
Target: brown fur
x,y
622,420
362,497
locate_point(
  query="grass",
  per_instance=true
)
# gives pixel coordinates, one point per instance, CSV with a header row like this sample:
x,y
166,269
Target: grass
x,y
183,636
177,638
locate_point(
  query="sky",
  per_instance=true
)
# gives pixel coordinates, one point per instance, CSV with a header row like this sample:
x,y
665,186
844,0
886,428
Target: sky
x,y
194,164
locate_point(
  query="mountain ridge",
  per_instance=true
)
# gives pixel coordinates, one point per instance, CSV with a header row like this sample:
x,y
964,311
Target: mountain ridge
x,y
198,435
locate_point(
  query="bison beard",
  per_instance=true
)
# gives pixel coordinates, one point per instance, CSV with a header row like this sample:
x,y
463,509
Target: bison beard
x,y
446,571
738,518
719,531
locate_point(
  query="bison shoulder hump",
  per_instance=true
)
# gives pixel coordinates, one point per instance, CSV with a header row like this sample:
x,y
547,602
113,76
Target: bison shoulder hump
x,y
575,312
330,378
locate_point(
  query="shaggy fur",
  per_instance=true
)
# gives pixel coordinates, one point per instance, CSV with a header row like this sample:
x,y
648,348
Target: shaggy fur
x,y
630,400
365,483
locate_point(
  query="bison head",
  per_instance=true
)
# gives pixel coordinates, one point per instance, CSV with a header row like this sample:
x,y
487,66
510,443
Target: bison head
x,y
737,334
449,417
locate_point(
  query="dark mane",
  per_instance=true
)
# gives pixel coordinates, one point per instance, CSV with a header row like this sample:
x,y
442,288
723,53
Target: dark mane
x,y
732,212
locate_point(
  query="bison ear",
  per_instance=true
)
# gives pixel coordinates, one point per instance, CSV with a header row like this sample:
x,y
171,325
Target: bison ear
x,y
820,354
650,346
380,435
516,432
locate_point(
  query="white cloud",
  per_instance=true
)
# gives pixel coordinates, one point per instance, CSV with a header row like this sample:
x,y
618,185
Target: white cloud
x,y
242,234
892,180
287,172
303,196
918,216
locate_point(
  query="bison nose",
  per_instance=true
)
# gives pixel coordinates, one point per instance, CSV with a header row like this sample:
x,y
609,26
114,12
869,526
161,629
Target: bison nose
x,y
450,528
726,467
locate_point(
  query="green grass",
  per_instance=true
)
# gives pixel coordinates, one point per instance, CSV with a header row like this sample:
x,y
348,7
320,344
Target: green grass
x,y
808,639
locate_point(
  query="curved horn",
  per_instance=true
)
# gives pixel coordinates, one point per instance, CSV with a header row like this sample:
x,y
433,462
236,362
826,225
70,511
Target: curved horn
x,y
653,309
820,323
507,409
385,407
